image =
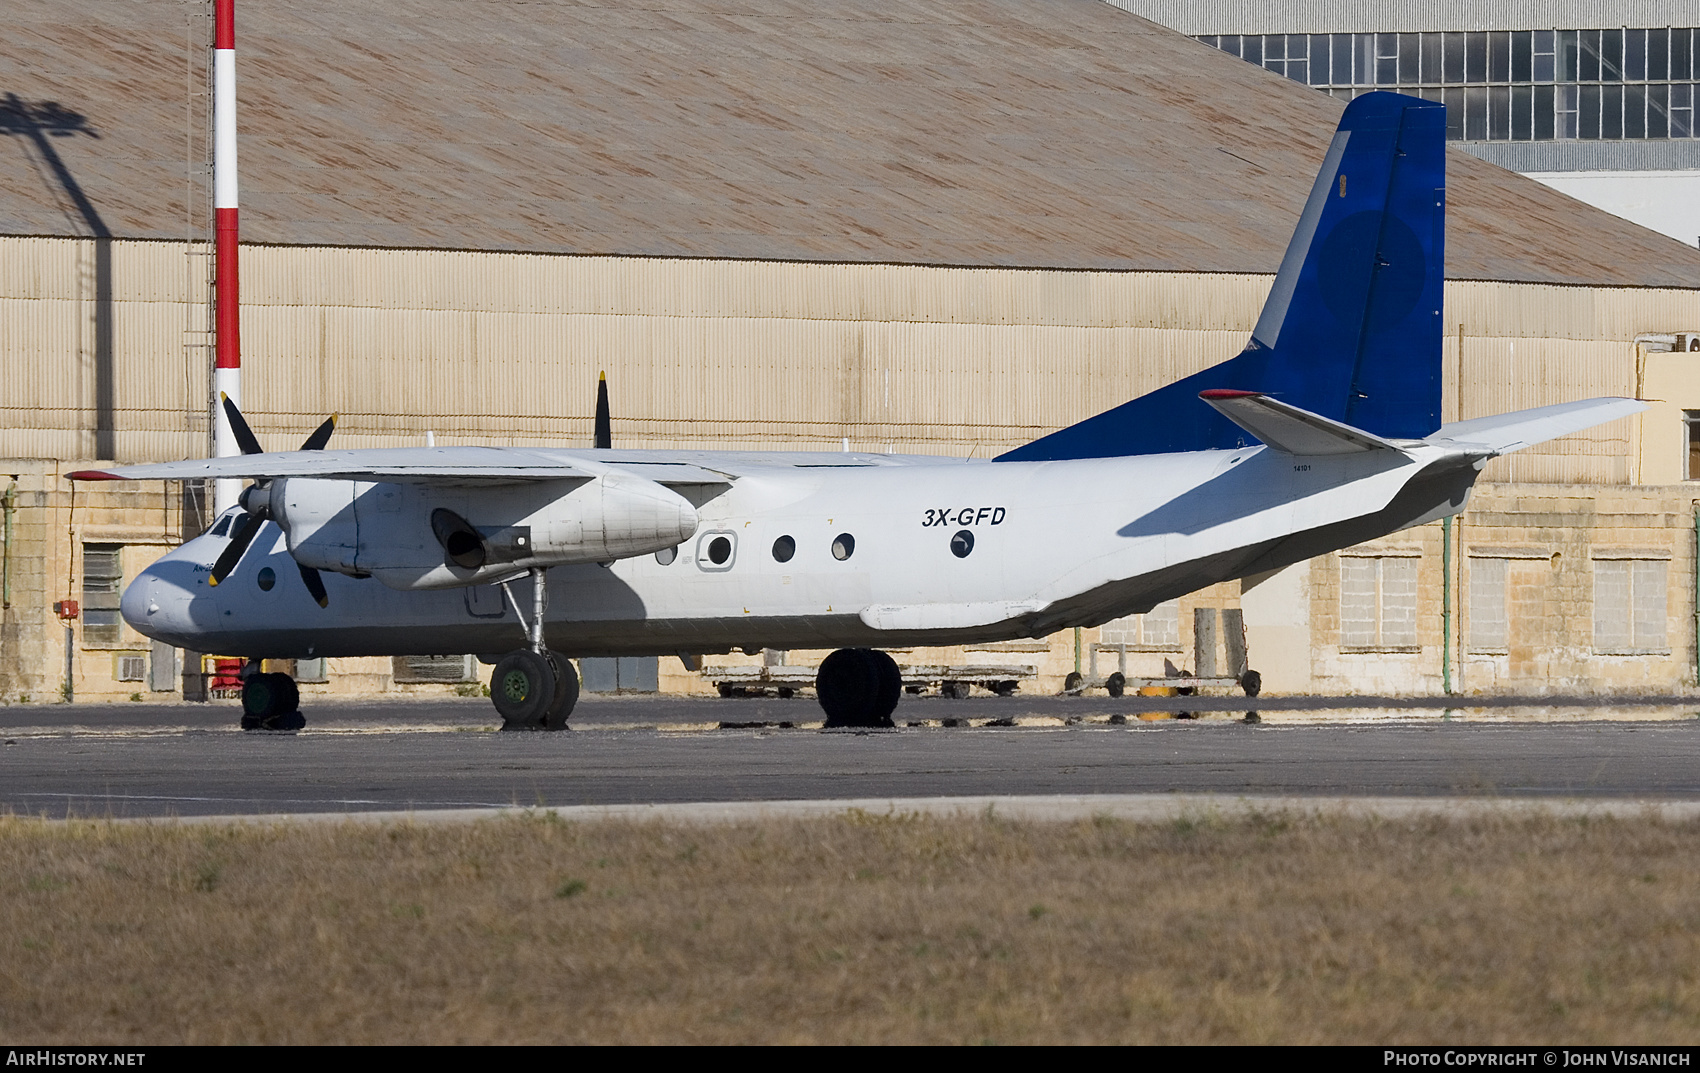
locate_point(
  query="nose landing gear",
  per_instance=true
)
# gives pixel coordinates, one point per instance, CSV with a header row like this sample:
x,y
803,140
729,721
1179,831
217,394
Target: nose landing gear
x,y
534,688
271,701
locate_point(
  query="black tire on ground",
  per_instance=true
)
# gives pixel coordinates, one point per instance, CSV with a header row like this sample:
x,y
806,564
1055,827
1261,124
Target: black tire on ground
x,y
289,694
858,687
1116,684
566,693
263,698
523,689
286,721
1252,683
1006,688
1073,682
956,690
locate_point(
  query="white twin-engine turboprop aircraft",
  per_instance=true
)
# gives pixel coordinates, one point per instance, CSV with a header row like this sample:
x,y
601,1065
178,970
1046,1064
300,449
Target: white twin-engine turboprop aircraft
x,y
1324,432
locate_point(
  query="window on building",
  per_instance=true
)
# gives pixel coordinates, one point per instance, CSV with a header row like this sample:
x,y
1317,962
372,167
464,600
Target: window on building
x,y
1691,430
1158,628
1629,606
1506,85
1378,602
1489,620
103,585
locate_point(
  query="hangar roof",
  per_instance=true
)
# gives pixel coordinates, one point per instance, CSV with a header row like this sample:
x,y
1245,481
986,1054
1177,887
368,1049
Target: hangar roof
x,y
1036,133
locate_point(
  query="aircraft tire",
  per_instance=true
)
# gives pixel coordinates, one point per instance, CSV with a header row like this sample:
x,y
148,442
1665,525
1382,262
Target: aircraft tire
x,y
265,697
523,689
858,687
1116,684
566,693
292,720
289,694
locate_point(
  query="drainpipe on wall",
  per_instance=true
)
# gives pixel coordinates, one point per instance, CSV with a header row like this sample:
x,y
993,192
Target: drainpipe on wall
x,y
9,503
69,691
1446,604
1697,591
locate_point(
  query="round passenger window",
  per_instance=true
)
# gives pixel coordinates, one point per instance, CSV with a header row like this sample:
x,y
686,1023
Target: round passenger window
x,y
843,546
784,548
961,544
719,550
666,556
266,578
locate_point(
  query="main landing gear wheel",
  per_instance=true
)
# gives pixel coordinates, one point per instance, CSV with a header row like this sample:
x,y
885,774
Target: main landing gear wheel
x,y
534,688
534,692
271,702
523,689
566,693
858,687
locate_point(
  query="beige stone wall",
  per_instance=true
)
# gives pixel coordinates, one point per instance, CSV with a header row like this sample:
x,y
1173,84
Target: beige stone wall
x,y
1551,540
482,347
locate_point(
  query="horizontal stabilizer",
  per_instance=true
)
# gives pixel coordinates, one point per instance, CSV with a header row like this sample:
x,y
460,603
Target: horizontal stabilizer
x,y
1504,433
1289,429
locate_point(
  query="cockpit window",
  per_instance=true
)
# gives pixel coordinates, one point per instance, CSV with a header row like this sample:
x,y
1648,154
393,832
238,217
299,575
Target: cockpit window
x,y
222,526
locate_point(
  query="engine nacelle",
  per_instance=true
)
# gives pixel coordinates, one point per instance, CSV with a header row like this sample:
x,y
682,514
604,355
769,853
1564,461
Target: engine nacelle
x,y
438,535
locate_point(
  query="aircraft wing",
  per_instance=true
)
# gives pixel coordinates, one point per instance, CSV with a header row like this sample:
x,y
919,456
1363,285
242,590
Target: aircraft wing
x,y
1289,429
456,465
1504,433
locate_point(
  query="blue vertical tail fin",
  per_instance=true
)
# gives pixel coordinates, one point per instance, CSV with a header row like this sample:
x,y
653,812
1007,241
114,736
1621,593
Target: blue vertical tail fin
x,y
1351,329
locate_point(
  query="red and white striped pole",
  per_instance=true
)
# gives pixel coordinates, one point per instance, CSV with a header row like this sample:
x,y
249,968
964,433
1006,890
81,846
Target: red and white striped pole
x,y
227,364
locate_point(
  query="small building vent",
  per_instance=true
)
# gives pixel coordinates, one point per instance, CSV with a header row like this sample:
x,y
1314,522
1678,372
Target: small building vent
x,y
132,667
434,669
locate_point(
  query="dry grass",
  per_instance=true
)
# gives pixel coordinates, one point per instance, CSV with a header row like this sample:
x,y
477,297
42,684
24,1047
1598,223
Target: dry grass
x,y
1265,928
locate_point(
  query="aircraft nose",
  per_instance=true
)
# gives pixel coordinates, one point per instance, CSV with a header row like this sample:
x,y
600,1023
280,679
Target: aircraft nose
x,y
153,605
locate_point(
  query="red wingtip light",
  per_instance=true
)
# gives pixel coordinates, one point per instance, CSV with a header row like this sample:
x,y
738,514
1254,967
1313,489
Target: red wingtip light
x,y
1226,393
92,475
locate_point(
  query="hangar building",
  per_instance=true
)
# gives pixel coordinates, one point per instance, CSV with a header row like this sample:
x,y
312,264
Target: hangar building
x,y
940,226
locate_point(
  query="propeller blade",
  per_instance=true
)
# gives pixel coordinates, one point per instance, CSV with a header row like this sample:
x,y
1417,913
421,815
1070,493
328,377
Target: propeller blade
x,y
321,435
239,542
239,428
315,585
604,428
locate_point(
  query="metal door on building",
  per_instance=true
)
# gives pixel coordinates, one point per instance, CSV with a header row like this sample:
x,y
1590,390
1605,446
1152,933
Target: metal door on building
x,y
625,674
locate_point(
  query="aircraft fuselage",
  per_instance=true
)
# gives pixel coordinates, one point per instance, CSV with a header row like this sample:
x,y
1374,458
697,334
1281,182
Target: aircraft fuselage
x,y
939,551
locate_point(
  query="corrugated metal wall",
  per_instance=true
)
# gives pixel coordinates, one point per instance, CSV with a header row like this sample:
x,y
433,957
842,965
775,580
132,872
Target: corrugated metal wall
x,y
505,348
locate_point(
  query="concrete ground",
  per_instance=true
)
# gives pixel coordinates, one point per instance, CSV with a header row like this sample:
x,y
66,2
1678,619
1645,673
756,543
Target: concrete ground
x,y
172,759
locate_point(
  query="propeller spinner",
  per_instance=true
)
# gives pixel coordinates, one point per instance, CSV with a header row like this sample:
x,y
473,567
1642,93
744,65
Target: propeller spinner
x,y
256,501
